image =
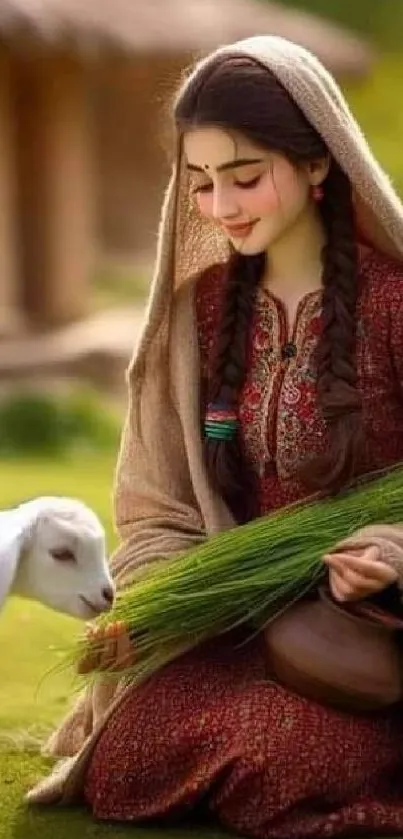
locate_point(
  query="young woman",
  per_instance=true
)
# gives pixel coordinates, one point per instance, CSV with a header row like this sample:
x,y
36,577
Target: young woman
x,y
270,367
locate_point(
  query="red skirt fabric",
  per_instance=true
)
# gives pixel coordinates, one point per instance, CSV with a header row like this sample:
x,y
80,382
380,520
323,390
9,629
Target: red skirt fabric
x,y
211,729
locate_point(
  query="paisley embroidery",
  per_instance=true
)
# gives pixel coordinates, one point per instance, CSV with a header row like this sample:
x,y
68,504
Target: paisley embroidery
x,y
282,392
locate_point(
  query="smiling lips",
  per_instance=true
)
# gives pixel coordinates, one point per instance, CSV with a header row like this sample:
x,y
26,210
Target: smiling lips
x,y
239,231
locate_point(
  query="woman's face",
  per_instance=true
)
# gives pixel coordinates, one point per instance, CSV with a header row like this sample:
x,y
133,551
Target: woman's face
x,y
254,195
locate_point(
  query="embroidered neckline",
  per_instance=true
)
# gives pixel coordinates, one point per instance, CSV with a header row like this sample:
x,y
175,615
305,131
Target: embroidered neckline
x,y
306,303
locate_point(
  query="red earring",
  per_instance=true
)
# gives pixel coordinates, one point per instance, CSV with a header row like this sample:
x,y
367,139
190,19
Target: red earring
x,y
317,193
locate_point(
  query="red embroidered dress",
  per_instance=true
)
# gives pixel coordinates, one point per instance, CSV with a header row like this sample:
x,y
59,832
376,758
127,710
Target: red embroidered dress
x,y
209,729
280,418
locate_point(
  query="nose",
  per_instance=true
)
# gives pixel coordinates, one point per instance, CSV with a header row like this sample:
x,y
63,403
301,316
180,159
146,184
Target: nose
x,y
224,206
108,594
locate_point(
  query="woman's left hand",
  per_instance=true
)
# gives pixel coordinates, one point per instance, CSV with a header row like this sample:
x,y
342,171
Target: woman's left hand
x,y
354,575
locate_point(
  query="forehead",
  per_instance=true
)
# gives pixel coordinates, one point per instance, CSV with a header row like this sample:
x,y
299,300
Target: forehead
x,y
212,147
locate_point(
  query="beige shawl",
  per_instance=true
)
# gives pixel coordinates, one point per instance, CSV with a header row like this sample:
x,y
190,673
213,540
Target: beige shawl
x,y
164,502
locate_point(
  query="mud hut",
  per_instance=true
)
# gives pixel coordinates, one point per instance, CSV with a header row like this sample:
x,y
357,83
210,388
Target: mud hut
x,y
81,164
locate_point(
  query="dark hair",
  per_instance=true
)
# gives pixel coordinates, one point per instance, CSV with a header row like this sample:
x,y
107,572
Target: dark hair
x,y
237,93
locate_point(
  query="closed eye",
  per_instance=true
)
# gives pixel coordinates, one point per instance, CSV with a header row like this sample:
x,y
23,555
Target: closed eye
x,y
241,184
63,555
248,184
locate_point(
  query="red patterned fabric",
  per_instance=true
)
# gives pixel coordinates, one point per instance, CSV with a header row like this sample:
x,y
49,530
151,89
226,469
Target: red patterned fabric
x,y
211,729
280,418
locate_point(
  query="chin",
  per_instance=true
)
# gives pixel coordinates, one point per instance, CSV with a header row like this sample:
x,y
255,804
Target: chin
x,y
248,248
76,609
86,613
251,246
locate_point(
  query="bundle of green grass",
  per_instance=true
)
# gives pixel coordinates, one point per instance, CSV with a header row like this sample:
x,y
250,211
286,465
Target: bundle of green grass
x,y
243,576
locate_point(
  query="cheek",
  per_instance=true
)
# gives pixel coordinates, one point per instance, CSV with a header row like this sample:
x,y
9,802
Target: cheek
x,y
292,192
263,200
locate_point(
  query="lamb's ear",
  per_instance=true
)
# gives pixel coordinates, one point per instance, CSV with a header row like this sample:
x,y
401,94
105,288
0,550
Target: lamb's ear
x,y
13,535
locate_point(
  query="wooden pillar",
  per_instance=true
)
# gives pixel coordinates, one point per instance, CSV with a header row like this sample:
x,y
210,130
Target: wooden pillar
x,y
10,304
56,194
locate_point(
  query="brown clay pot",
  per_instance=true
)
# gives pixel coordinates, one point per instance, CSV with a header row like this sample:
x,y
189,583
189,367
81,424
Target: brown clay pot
x,y
325,652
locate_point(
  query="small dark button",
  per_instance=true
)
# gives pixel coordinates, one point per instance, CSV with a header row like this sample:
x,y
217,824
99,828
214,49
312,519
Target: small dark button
x,y
288,351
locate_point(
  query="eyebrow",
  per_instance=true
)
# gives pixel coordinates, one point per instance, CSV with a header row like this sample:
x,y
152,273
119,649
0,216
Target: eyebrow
x,y
232,164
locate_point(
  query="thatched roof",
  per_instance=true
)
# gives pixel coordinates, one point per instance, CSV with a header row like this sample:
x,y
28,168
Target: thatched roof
x,y
171,26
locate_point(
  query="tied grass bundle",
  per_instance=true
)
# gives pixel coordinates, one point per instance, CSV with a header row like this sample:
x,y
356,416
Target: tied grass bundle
x,y
244,575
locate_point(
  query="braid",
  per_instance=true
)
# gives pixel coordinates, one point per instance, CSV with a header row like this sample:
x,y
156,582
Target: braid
x,y
226,462
337,376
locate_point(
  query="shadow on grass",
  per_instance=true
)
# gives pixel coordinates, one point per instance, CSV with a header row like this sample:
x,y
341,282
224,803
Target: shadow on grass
x,y
19,770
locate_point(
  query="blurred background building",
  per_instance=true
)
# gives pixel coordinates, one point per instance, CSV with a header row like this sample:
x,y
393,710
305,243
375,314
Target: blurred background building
x,y
82,165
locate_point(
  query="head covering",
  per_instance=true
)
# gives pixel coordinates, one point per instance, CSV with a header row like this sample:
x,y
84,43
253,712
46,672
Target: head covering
x,y
188,244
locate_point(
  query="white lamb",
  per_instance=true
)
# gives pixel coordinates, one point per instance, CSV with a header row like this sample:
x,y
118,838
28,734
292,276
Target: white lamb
x,y
53,550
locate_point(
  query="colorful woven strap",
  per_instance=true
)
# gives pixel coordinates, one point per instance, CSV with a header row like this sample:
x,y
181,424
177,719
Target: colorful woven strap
x,y
221,423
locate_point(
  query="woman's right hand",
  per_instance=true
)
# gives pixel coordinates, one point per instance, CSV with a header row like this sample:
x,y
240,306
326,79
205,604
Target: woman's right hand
x,y
107,648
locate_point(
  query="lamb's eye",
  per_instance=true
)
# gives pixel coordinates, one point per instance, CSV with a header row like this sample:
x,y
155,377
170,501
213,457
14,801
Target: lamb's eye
x,y
63,555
